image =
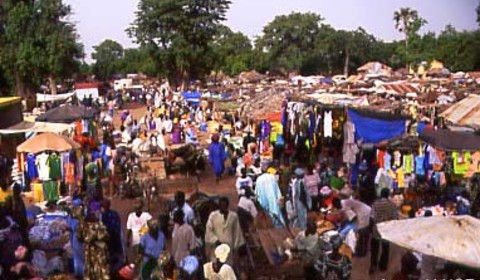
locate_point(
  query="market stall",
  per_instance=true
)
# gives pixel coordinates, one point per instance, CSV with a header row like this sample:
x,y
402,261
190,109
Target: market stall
x,y
83,119
49,160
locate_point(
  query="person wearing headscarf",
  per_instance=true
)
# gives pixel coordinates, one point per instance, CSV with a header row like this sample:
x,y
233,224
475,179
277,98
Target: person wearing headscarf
x,y
189,268
217,156
218,269
299,201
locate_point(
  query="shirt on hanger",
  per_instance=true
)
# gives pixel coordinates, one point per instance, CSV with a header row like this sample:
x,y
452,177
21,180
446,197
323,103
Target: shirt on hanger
x,y
32,170
387,161
408,163
69,173
380,158
461,162
474,166
50,191
42,165
419,169
54,163
328,124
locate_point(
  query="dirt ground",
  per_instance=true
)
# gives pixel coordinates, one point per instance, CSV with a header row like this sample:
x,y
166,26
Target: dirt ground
x,y
226,188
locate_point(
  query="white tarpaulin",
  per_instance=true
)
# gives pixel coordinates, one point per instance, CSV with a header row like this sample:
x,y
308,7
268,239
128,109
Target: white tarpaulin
x,y
57,97
28,127
453,238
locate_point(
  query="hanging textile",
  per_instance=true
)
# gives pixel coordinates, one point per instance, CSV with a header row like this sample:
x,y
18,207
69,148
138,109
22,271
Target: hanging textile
x,y
328,124
350,149
408,163
461,162
50,191
54,164
42,166
32,171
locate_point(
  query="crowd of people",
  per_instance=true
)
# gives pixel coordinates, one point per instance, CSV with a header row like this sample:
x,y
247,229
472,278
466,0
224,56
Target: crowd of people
x,y
293,193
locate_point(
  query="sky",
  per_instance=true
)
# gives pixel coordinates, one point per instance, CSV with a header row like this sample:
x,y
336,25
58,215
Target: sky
x,y
97,20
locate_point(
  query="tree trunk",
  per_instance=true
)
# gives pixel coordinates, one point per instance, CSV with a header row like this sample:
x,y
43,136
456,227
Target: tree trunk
x,y
406,52
185,84
53,85
347,62
26,92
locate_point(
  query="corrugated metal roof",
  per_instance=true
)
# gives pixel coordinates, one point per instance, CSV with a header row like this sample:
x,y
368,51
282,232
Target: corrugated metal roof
x,y
465,112
400,89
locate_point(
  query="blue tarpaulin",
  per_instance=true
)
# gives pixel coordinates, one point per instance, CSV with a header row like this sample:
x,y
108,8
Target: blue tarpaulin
x,y
192,96
373,130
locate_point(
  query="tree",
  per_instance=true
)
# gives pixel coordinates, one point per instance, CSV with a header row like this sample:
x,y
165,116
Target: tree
x,y
409,23
458,50
182,31
58,38
36,43
108,56
231,51
478,14
139,60
288,40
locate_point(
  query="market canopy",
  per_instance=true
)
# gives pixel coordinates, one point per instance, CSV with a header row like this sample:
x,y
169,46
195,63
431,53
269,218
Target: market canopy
x,y
67,114
375,127
47,142
448,140
26,127
454,239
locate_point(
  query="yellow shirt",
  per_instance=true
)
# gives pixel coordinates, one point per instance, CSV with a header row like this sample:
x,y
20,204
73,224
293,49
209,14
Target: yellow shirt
x,y
37,192
277,128
5,194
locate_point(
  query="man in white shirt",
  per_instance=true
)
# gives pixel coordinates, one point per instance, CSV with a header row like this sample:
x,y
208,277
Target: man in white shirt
x,y
245,202
362,215
243,182
183,205
168,125
136,224
223,227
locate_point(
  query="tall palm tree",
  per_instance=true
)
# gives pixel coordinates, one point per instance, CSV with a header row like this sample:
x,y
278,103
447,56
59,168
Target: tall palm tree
x,y
405,20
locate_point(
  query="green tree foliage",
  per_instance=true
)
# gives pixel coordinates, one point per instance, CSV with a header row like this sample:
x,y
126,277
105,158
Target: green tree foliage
x,y
288,40
108,56
409,23
139,60
231,51
458,50
182,31
37,43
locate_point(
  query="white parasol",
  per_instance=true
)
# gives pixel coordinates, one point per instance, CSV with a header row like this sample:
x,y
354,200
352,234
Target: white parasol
x,y
453,238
